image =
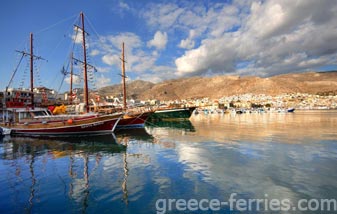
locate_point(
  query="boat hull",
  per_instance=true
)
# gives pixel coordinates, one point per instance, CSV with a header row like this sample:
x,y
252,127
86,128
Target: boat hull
x,y
290,110
97,125
133,121
173,114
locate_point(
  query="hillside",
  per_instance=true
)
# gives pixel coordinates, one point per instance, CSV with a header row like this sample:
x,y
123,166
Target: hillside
x,y
218,86
134,89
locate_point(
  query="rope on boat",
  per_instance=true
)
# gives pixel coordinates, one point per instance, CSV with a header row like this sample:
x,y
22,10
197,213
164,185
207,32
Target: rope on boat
x,y
57,23
14,72
94,30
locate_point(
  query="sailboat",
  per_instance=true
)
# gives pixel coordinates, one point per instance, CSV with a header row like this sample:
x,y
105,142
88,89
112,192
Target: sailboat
x,y
29,120
131,119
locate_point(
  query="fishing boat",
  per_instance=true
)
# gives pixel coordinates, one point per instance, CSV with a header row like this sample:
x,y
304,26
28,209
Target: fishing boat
x,y
26,119
172,113
133,118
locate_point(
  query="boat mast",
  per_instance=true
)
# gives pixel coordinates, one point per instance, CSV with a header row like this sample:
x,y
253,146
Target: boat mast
x,y
86,93
123,78
31,70
71,79
32,56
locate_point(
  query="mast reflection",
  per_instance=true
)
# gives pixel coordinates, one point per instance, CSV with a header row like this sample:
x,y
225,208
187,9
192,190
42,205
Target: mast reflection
x,y
125,179
32,187
81,151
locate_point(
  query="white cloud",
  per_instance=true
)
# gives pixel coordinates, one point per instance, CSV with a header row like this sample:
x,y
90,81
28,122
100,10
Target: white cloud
x,y
111,47
277,36
76,79
103,69
111,59
188,43
139,59
131,40
159,40
102,81
124,5
162,16
244,37
94,52
122,8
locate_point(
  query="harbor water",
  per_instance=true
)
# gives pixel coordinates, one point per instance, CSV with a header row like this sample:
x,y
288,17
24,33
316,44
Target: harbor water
x,y
268,156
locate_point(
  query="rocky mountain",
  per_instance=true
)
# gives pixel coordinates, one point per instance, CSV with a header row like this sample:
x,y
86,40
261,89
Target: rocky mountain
x,y
218,86
135,89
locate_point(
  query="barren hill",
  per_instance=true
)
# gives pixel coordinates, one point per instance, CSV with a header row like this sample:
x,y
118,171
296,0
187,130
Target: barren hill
x,y
134,89
218,86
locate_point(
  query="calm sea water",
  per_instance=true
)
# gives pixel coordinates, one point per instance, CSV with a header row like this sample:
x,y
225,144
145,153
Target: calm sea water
x,y
268,156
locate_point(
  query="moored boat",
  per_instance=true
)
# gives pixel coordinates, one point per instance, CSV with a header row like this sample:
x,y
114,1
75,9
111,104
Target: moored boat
x,y
173,113
133,118
33,122
26,119
131,121
290,109
285,110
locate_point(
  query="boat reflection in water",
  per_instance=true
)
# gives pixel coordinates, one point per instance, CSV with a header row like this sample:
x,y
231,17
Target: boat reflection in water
x,y
184,125
20,146
253,155
139,134
60,167
168,132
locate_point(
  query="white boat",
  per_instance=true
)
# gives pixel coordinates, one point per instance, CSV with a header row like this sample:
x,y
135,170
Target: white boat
x,y
5,131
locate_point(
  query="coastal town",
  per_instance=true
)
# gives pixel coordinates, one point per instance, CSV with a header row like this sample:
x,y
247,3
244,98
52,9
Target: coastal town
x,y
303,101
247,101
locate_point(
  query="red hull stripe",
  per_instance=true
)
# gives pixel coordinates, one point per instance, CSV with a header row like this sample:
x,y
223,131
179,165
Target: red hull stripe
x,y
95,127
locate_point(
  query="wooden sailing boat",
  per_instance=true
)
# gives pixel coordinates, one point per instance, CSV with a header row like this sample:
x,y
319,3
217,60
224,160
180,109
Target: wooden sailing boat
x,y
132,118
35,121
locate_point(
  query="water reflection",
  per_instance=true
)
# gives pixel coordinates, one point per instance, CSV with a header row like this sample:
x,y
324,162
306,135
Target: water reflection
x,y
135,134
48,167
166,132
16,147
212,157
291,171
184,125
298,127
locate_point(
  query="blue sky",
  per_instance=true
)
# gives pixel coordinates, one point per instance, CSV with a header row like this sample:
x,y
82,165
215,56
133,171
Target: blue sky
x,y
169,39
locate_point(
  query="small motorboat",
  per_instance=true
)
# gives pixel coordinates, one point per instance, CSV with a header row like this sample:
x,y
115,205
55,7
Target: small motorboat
x,y
290,109
5,131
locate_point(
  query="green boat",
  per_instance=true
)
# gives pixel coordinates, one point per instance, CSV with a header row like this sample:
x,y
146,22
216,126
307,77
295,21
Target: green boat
x,y
173,114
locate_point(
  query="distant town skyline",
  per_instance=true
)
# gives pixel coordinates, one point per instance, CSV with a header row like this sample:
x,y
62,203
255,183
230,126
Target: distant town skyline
x,y
169,39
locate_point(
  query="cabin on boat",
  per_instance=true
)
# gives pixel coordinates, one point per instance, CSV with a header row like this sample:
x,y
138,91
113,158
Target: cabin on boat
x,y
21,115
